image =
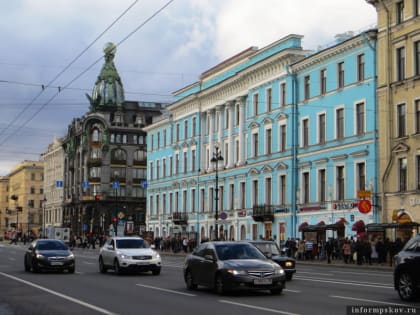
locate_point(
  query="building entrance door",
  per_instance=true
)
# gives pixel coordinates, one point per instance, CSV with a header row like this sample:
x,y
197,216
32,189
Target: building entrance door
x,y
268,228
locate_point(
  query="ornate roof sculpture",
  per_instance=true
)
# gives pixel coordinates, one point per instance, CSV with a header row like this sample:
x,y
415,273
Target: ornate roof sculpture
x,y
108,91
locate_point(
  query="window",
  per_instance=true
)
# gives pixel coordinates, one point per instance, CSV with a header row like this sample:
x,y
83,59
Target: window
x,y
400,63
193,207
202,199
176,201
176,164
282,188
227,112
305,187
95,153
340,182
32,190
417,57
305,132
119,155
321,128
417,115
184,201
96,135
217,121
323,81
211,200
158,140
157,169
402,167
151,170
171,165
237,111
32,176
255,104
193,157
177,132
95,172
255,144
282,141
268,191
360,118
361,176
401,113
194,126
360,67
399,12
242,195
283,94
322,191
231,196
185,161
268,141
269,99
237,151
255,192
340,74
418,171
340,123
31,203
306,84
164,138
139,156
416,7
226,158
139,173
185,129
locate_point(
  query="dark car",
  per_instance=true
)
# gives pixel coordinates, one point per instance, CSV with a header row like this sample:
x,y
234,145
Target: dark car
x,y
226,266
49,254
407,270
272,251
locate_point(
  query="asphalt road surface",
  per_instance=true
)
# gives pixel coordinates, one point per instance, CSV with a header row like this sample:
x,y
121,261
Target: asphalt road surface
x,y
314,290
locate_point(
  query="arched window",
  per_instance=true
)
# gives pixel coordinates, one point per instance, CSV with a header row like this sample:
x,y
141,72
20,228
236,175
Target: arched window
x,y
96,135
119,155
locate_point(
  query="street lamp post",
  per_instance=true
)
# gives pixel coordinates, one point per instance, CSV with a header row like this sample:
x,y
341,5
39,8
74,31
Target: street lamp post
x,y
217,156
116,185
43,216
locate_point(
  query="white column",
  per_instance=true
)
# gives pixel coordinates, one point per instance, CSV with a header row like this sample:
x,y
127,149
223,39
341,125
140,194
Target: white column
x,y
241,102
231,154
211,115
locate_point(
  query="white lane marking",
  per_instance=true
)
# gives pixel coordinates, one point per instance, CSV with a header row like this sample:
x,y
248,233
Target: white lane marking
x,y
271,310
89,263
164,290
362,284
366,300
172,266
318,274
66,297
293,291
366,273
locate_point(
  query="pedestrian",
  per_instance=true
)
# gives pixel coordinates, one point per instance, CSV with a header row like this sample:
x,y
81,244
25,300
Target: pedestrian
x,y
346,251
185,244
329,248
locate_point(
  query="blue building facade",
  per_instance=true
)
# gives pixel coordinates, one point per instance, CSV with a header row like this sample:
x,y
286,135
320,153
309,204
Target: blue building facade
x,y
289,135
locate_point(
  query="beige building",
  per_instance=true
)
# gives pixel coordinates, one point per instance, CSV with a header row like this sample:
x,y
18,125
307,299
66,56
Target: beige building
x,y
398,99
26,194
4,197
53,160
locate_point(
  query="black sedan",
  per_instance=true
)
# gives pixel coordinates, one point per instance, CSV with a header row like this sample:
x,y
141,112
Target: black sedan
x,y
226,266
49,254
272,251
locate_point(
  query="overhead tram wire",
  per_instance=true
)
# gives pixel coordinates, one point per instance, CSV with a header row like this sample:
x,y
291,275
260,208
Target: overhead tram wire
x,y
43,87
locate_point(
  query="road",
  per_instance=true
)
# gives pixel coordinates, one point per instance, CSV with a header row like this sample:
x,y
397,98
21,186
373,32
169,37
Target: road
x,y
315,289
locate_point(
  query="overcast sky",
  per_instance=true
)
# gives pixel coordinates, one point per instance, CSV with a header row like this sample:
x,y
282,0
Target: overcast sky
x,y
40,38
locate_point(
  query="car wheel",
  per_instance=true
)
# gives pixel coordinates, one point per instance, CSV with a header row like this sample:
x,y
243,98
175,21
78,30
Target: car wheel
x,y
34,266
189,281
71,269
406,286
276,291
102,268
289,276
156,272
117,267
27,267
219,285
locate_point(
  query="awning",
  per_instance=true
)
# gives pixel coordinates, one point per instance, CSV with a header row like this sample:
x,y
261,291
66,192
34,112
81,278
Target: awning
x,y
358,226
342,221
321,223
302,225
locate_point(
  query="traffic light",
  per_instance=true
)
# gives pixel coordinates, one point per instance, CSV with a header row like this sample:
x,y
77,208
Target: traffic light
x,y
114,219
98,197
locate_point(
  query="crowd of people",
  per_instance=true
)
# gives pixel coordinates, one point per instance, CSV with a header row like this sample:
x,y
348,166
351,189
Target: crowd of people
x,y
349,250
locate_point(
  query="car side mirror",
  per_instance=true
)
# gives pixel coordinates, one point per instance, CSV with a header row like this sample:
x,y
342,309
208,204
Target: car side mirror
x,y
153,246
209,257
109,247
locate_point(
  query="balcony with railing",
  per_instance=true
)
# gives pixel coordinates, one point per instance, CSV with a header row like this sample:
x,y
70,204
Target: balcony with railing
x,y
263,213
180,218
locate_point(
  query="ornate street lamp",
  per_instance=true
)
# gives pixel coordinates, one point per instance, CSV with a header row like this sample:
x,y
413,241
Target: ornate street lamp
x,y
217,156
43,216
116,186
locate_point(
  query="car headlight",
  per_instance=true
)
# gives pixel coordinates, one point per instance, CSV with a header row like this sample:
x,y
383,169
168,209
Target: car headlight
x,y
288,264
40,256
156,255
278,271
236,272
70,257
123,256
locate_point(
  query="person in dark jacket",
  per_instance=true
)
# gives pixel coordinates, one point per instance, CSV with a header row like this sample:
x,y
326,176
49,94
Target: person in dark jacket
x,y
329,248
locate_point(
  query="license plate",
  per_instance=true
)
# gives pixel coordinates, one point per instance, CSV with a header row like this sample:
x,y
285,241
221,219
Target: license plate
x,y
56,263
263,281
142,263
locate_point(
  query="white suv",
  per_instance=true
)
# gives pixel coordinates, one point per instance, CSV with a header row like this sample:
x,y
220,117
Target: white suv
x,y
128,254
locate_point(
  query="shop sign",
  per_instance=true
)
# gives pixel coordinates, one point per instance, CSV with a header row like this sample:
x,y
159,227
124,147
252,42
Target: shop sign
x,y
344,205
364,193
241,213
414,202
364,206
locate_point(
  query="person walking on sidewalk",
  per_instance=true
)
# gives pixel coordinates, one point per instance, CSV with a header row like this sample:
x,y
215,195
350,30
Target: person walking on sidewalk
x,y
329,248
346,251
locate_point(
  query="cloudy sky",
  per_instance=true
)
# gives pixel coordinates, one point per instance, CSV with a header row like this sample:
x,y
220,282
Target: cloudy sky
x,y
163,46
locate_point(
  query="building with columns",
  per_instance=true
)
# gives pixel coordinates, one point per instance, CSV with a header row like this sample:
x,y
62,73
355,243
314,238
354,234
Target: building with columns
x,y
398,63
250,124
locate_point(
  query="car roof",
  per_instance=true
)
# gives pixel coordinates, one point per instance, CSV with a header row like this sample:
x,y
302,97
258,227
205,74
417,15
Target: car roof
x,y
126,237
260,242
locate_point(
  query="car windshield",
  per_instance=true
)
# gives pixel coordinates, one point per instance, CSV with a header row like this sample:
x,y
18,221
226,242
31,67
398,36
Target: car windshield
x,y
268,248
51,245
132,243
238,251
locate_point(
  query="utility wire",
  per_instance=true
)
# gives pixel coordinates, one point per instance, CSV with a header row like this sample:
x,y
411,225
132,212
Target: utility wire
x,y
61,73
87,69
